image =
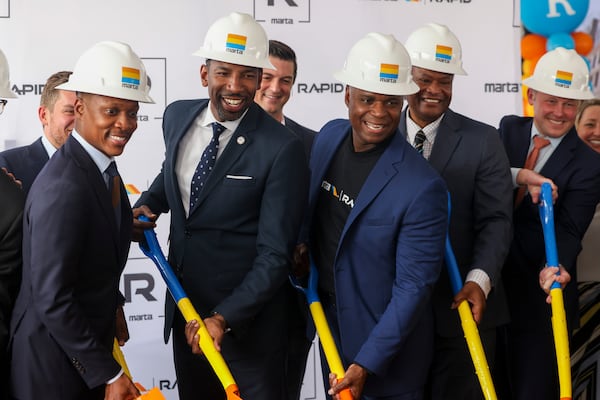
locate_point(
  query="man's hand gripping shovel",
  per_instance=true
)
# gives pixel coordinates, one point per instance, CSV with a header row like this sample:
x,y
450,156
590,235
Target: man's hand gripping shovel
x,y
152,250
559,319
468,324
152,394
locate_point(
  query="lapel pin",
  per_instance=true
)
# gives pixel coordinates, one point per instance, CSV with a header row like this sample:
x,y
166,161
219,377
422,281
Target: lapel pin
x,y
241,140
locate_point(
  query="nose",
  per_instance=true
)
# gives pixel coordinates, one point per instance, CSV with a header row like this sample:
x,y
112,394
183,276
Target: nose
x,y
378,108
126,122
234,82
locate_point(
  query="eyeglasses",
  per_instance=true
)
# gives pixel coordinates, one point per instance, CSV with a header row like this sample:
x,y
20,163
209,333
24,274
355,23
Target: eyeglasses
x,y
2,104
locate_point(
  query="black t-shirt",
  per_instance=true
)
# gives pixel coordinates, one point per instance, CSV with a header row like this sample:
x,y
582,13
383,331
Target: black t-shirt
x,y
338,192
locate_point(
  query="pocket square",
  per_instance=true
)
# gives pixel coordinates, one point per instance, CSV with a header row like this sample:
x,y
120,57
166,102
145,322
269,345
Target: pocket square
x,y
239,177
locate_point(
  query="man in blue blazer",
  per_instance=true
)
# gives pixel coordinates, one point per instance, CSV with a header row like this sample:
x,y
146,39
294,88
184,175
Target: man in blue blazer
x,y
231,238
57,117
76,236
558,84
378,218
272,95
469,156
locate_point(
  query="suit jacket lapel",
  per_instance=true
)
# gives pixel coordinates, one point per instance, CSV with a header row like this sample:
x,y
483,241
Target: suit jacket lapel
x,y
96,181
240,140
178,130
383,171
446,141
562,156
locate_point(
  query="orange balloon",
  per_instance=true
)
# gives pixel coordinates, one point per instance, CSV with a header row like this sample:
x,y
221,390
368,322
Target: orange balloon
x,y
533,46
584,43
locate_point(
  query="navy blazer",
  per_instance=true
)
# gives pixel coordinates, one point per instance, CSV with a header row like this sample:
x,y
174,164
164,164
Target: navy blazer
x,y
12,201
25,162
63,324
468,154
232,253
575,169
388,259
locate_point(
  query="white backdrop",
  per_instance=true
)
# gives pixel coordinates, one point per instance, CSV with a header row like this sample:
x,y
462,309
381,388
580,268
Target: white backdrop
x,y
40,37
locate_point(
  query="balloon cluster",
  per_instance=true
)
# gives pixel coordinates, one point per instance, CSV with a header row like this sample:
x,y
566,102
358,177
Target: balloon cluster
x,y
551,24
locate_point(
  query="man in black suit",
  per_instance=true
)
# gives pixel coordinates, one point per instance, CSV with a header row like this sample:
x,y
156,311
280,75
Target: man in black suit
x,y
12,201
76,237
56,113
468,155
555,90
272,95
233,232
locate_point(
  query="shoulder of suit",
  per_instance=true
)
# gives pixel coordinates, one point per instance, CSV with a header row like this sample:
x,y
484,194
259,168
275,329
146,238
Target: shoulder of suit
x,y
185,104
293,125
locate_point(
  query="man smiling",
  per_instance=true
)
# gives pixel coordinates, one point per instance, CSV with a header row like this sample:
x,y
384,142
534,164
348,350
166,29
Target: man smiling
x,y
468,155
377,229
234,180
76,238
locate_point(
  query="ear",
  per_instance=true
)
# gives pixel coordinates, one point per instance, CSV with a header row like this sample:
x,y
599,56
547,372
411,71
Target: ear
x,y
530,96
42,110
79,106
347,96
204,75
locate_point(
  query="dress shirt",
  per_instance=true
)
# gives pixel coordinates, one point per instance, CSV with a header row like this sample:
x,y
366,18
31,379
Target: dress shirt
x,y
192,146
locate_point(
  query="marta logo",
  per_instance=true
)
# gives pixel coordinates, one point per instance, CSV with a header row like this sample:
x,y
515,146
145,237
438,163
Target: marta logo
x,y
282,12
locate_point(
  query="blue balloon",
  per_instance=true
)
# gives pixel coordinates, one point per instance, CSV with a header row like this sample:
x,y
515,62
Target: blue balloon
x,y
560,40
546,17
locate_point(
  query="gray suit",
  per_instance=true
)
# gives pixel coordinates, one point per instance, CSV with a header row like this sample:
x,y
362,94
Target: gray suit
x,y
470,157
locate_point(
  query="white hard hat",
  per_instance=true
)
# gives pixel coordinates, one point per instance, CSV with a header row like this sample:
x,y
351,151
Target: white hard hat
x,y
434,47
561,73
5,91
378,63
110,69
237,39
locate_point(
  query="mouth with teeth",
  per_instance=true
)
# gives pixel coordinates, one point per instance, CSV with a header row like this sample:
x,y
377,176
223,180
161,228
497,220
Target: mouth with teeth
x,y
233,104
373,127
118,140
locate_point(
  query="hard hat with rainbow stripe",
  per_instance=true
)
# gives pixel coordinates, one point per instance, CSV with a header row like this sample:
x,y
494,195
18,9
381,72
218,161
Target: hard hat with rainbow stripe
x,y
562,73
110,69
378,63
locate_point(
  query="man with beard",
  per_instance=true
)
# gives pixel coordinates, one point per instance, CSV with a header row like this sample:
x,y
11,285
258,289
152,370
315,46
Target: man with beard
x,y
469,156
56,113
235,182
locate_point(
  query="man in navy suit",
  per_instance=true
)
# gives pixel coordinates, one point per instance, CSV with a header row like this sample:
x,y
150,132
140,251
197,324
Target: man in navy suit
x,y
469,156
378,219
557,86
56,113
272,95
12,201
233,233
76,237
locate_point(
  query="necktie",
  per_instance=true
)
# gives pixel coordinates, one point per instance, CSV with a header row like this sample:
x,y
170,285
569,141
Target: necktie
x,y
419,140
538,143
206,164
114,188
